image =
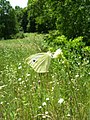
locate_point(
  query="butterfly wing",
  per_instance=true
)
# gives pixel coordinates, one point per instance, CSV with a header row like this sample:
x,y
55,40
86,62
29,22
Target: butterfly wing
x,y
39,62
33,58
42,65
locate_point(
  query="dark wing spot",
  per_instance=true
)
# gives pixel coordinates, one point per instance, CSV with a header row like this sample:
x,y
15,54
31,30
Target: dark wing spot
x,y
34,60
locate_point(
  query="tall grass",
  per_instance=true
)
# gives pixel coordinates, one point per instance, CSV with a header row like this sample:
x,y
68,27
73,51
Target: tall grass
x,y
61,94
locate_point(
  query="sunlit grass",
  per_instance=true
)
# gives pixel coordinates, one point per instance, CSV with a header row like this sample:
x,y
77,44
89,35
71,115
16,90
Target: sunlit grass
x,y
61,94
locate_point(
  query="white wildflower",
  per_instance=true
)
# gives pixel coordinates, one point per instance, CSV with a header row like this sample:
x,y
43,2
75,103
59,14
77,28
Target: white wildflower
x,y
43,116
15,98
46,112
52,88
40,107
52,76
76,76
1,103
61,100
57,53
27,75
47,99
22,82
87,61
78,63
19,79
20,67
57,83
63,62
44,104
68,115
2,95
19,63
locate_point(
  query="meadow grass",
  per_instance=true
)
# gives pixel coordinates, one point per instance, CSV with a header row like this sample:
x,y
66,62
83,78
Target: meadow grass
x,y
61,94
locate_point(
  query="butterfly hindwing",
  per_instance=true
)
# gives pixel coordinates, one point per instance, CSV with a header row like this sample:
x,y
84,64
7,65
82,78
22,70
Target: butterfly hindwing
x,y
42,64
33,58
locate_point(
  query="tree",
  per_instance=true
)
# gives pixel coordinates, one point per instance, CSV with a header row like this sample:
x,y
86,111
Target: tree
x,y
24,21
7,20
40,16
70,17
19,16
73,19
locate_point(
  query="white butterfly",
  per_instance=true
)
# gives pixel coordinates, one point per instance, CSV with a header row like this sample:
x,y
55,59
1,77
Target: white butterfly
x,y
40,62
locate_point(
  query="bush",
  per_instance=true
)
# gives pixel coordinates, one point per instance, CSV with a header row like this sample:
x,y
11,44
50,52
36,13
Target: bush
x,y
19,35
70,48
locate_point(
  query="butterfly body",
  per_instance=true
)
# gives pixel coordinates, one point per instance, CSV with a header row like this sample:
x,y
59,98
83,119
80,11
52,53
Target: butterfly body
x,y
40,62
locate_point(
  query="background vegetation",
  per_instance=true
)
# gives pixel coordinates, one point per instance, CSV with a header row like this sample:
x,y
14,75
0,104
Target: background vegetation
x,y
61,94
70,17
64,92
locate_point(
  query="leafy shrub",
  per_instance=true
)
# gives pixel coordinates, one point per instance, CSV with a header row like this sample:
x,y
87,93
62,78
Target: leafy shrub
x,y
20,35
72,49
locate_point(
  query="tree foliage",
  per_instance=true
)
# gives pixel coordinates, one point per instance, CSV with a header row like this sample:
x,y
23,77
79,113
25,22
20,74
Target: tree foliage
x,y
74,19
40,18
7,20
19,15
24,21
70,17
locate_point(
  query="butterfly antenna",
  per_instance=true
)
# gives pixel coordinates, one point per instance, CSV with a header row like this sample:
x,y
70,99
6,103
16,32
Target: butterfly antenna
x,y
38,47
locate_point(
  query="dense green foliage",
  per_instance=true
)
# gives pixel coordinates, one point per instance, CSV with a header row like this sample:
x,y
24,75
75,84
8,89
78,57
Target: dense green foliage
x,y
73,20
7,20
61,94
40,16
19,15
70,17
64,92
71,48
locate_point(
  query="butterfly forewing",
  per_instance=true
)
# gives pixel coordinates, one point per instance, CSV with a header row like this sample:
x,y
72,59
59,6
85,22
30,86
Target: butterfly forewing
x,y
39,62
33,58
